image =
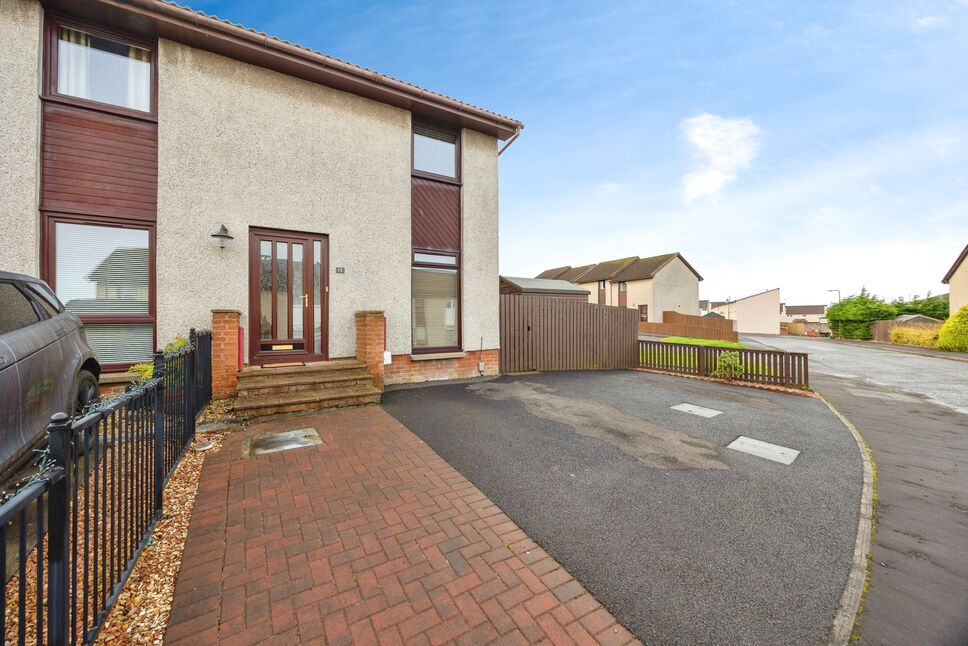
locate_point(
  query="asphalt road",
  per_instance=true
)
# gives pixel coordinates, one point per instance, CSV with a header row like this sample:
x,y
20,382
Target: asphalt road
x,y
907,408
942,381
685,541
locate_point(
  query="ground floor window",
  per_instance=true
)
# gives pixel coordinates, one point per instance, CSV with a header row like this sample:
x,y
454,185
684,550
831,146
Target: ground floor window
x,y
103,271
435,302
644,313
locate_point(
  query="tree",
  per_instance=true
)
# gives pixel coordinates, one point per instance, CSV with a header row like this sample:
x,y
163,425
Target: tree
x,y
852,317
953,335
934,306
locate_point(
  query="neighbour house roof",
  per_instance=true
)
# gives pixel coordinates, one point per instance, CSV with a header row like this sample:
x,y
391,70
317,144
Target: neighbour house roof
x,y
553,273
736,300
544,286
907,318
151,18
643,268
805,309
713,315
954,267
574,273
605,270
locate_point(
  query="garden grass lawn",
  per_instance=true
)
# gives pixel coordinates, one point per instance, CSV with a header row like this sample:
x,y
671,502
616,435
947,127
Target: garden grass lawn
x,y
713,342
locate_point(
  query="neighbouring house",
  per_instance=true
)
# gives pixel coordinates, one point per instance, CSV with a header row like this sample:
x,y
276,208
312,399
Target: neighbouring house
x,y
754,314
957,281
164,169
805,313
542,287
649,285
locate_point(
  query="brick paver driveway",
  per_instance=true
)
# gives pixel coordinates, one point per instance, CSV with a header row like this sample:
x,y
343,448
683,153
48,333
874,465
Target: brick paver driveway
x,y
368,537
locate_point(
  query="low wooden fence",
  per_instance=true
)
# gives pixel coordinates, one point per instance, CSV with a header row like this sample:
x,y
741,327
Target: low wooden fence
x,y
541,333
769,367
697,327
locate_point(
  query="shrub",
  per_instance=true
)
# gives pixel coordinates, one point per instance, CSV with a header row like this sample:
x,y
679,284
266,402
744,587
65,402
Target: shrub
x,y
146,370
728,366
934,306
953,335
852,317
909,335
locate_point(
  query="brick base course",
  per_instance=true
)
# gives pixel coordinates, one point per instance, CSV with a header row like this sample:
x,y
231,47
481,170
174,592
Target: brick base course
x,y
367,538
405,370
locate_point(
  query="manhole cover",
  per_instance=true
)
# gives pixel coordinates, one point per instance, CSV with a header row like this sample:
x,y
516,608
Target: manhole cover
x,y
274,442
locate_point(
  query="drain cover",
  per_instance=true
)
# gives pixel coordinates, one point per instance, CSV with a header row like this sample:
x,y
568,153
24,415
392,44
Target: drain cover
x,y
274,442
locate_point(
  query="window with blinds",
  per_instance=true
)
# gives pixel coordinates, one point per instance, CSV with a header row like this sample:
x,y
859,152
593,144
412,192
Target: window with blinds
x,y
434,151
102,273
103,70
434,308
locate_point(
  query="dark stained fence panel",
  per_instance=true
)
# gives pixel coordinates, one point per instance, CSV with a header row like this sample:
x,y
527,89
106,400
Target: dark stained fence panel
x,y
769,367
541,333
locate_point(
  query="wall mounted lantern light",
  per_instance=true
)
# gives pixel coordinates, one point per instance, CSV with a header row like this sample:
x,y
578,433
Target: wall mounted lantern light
x,y
222,235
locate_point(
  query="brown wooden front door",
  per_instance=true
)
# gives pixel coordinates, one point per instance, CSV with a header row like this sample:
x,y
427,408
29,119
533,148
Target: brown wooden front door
x,y
288,296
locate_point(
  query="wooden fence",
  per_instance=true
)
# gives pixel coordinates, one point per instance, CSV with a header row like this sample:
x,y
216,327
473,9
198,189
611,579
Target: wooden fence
x,y
541,333
769,367
881,330
697,327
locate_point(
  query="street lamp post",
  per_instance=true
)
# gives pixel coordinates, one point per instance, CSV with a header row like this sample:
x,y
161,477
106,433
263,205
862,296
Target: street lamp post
x,y
841,330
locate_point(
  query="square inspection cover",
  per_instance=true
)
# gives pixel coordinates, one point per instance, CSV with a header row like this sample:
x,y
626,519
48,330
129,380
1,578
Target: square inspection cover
x,y
274,442
697,410
765,450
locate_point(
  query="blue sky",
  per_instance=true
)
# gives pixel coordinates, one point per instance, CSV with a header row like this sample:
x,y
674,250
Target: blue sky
x,y
805,146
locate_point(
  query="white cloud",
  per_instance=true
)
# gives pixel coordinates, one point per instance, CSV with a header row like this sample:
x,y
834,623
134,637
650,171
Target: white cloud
x,y
610,187
927,22
726,145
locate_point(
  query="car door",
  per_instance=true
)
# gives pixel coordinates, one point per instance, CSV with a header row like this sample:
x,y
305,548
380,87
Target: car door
x,y
35,353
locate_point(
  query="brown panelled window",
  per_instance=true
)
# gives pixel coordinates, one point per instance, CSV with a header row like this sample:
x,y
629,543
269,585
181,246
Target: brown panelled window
x,y
644,313
623,294
102,270
435,302
435,152
94,67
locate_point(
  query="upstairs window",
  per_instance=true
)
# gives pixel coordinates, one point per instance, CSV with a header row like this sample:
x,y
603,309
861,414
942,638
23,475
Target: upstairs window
x,y
435,152
622,288
96,68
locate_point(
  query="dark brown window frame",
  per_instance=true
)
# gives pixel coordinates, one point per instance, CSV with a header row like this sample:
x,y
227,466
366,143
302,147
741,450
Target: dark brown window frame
x,y
48,252
645,318
460,290
456,180
52,21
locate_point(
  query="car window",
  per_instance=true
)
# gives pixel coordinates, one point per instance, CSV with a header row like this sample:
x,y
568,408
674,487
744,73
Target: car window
x,y
47,296
41,302
15,309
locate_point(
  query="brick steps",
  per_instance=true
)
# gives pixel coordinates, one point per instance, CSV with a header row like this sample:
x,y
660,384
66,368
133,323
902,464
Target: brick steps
x,y
315,386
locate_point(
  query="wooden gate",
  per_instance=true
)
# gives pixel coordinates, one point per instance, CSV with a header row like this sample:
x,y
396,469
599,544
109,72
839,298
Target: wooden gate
x,y
546,333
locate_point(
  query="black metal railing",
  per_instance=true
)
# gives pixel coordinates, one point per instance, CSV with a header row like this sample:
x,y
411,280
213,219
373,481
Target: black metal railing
x,y
93,503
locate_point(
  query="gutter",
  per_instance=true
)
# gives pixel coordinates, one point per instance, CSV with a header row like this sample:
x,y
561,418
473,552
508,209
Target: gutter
x,y
507,144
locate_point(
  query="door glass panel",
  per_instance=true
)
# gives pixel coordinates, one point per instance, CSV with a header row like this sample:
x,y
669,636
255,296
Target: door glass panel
x,y
317,295
265,289
282,290
297,291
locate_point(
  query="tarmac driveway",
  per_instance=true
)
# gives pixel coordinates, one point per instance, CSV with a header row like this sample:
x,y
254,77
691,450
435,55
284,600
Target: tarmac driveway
x,y
683,540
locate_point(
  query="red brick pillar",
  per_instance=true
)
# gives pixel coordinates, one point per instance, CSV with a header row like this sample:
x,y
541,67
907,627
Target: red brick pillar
x,y
225,353
370,343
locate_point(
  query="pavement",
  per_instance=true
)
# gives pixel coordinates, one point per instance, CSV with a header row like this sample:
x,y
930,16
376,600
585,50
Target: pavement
x,y
907,408
365,537
683,540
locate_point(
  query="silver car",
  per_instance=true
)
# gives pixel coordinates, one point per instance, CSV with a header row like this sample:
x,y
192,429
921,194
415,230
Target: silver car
x,y
46,365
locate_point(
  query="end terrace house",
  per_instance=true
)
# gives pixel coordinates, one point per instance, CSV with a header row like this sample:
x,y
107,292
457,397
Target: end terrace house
x,y
349,208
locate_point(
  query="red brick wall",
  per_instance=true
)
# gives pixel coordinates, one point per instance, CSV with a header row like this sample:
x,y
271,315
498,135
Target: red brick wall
x,y
405,370
370,340
225,353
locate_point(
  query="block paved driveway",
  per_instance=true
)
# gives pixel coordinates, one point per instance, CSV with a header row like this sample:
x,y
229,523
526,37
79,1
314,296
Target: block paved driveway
x,y
367,538
683,540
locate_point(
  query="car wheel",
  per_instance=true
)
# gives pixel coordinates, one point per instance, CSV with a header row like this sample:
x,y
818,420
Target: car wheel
x,y
84,392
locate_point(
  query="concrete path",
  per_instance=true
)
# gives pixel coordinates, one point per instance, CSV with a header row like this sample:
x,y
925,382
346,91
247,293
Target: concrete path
x,y
369,537
684,540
